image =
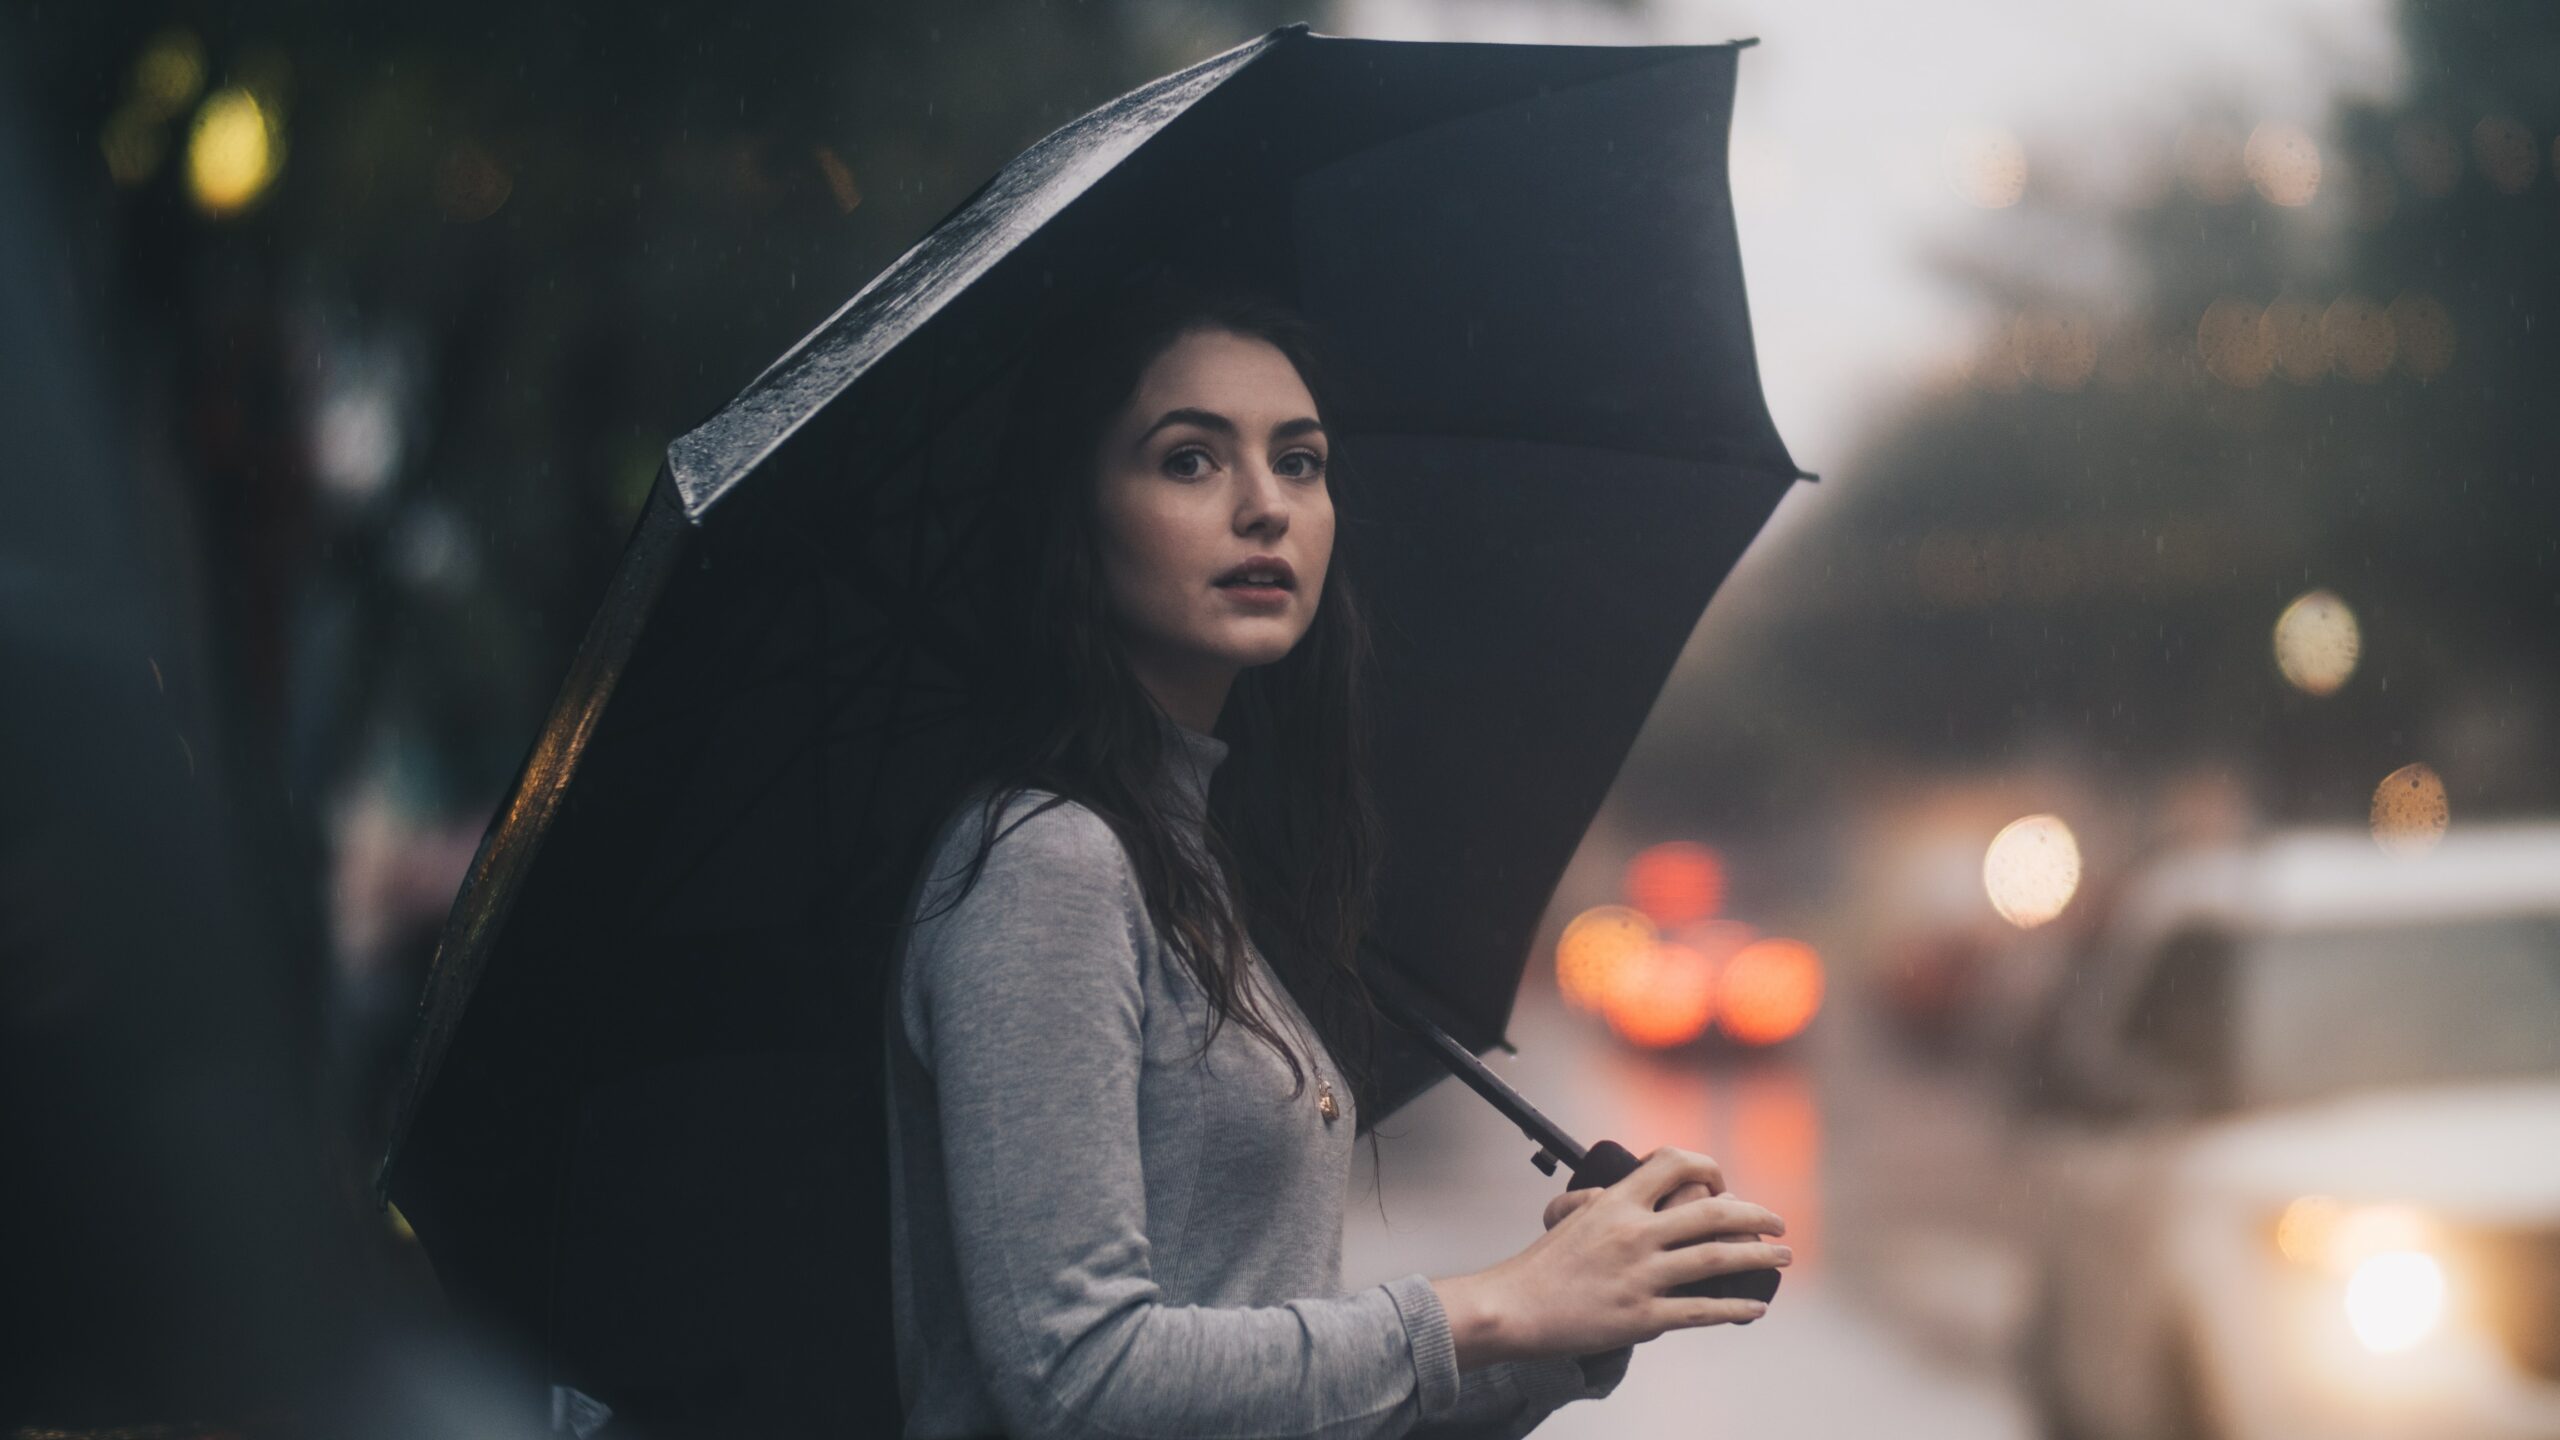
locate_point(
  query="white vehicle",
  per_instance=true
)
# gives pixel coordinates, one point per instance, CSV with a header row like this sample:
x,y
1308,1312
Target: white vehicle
x,y
2294,1129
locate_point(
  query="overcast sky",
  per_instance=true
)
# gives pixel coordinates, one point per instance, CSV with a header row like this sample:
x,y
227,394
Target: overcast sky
x,y
1853,116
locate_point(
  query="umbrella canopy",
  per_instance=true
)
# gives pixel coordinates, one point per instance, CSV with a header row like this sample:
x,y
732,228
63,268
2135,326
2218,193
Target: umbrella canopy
x,y
647,1050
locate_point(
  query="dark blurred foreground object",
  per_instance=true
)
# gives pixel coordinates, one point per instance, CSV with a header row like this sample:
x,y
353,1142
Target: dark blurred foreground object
x,y
179,1255
642,1125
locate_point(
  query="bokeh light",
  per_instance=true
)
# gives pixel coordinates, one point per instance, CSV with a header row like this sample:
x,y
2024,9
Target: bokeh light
x,y
1663,997
233,153
169,74
2291,329
2058,349
1676,882
2234,343
1986,165
2031,870
2410,811
2305,1230
2317,643
133,143
2284,163
1596,946
470,184
839,178
1769,991
2395,1299
2506,154
2422,334
2359,336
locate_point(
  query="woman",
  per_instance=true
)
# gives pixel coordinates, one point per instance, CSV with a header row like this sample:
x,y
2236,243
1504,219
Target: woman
x,y
1120,1148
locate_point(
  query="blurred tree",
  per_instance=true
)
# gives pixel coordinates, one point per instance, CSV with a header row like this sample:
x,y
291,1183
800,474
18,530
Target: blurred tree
x,y
396,308
413,389
2078,548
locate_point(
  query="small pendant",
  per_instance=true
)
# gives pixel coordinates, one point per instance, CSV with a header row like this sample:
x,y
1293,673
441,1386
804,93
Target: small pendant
x,y
1324,1099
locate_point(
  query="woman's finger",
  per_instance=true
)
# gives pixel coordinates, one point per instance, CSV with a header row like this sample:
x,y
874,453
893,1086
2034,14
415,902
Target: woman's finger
x,y
1665,1170
1566,1203
1689,1190
1688,1312
1707,1258
1721,1215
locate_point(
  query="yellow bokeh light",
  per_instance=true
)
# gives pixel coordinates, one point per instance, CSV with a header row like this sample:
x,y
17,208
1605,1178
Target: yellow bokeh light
x,y
2284,163
1987,166
2305,1230
169,75
1596,947
2410,811
2360,1234
2031,870
133,142
2317,643
233,153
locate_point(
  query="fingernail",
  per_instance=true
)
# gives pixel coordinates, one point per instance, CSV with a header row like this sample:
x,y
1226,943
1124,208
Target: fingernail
x,y
1759,1308
1786,1253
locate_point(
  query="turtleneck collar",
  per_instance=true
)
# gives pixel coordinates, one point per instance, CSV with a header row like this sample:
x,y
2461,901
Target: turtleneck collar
x,y
1190,758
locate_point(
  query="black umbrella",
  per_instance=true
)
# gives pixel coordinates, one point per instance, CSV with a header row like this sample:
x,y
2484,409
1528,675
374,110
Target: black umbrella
x,y
640,1123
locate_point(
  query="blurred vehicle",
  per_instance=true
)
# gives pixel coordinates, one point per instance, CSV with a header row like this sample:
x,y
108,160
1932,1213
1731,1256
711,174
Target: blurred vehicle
x,y
2294,1118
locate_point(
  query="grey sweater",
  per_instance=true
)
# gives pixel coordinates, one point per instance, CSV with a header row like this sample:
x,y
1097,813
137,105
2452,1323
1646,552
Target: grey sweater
x,y
1098,1233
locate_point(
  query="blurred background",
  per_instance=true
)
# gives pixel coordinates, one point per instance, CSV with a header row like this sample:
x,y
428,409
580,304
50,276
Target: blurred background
x,y
2095,871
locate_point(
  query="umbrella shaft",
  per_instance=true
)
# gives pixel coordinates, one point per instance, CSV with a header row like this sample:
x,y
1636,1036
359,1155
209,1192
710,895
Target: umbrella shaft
x,y
1463,1063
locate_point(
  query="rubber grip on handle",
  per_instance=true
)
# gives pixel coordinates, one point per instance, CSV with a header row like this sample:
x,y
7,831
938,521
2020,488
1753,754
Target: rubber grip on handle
x,y
1607,1163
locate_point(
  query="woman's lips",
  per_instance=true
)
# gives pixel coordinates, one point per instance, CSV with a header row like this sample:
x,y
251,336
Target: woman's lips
x,y
1266,597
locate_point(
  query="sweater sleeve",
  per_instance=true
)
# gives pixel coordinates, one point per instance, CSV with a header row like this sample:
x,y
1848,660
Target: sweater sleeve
x,y
1507,1400
1027,1003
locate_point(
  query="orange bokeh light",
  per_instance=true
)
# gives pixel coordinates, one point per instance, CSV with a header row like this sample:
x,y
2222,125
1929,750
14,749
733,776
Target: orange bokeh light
x,y
1596,947
1665,998
1676,882
1769,991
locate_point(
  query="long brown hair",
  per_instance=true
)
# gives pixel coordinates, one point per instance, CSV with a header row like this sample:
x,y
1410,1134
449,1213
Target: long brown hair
x,y
1292,834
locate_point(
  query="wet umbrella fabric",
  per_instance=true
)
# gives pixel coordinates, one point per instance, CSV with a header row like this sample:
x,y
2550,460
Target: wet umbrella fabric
x,y
641,1125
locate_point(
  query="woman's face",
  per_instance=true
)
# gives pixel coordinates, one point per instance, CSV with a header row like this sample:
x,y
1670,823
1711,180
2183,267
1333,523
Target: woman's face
x,y
1213,471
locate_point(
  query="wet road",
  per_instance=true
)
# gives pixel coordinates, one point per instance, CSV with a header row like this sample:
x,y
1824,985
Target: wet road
x,y
1899,1311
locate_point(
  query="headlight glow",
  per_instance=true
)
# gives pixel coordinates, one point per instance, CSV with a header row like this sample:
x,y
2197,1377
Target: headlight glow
x,y
2395,1299
2383,1261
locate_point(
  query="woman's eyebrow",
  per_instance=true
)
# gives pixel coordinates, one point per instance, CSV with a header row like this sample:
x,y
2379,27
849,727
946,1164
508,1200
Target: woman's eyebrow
x,y
1188,415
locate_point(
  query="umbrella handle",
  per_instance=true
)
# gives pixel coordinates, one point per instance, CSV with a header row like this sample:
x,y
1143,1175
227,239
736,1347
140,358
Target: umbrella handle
x,y
1607,1163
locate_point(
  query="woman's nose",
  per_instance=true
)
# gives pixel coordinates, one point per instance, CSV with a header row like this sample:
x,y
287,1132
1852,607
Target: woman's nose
x,y
1264,505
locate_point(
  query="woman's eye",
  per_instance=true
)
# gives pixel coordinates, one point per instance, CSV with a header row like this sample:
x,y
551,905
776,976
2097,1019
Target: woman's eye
x,y
1189,463
1302,464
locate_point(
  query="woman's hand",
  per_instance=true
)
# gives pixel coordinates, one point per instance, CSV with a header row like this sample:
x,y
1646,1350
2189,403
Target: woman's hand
x,y
1599,1277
